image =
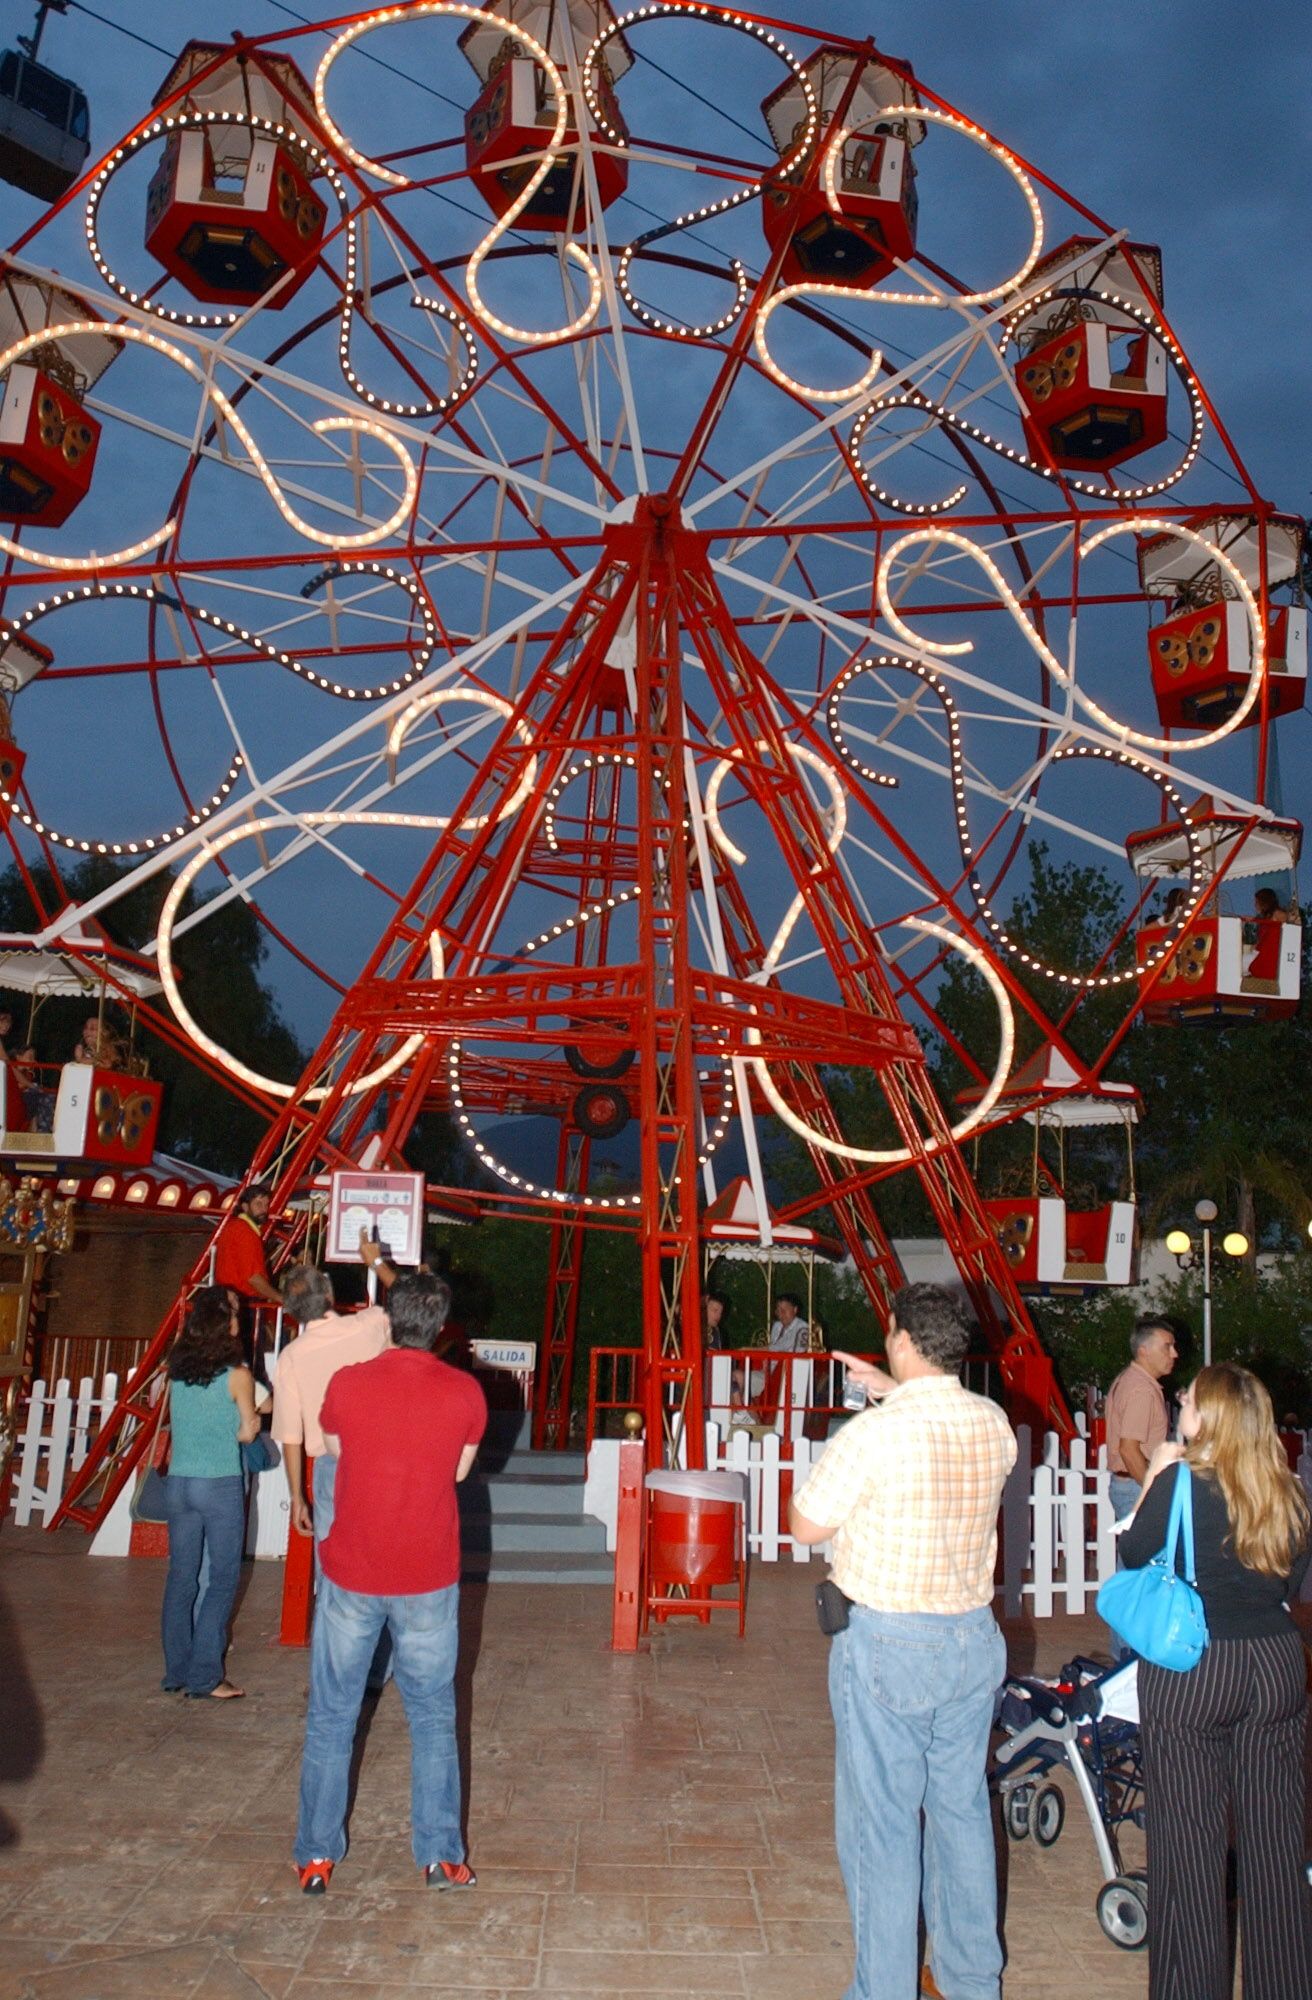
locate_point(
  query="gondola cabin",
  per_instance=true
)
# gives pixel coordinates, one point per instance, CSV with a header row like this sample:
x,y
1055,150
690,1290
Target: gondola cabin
x,y
97,1114
514,114
231,213
22,658
1091,380
45,127
1201,655
1054,1239
104,1112
1240,955
48,438
875,227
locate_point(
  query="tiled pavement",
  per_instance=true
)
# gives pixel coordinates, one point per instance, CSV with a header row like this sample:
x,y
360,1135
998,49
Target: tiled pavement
x,y
649,1825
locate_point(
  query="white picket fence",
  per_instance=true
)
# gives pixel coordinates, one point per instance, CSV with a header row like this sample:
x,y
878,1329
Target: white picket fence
x,y
1056,1523
57,1434
1055,1530
55,1440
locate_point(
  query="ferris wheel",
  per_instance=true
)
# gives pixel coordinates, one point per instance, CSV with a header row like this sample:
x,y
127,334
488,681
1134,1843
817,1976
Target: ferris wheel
x,y
616,534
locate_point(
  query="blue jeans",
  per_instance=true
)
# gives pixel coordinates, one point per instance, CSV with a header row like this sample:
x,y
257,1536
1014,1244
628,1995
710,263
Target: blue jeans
x,y
425,1641
913,1698
206,1518
323,1482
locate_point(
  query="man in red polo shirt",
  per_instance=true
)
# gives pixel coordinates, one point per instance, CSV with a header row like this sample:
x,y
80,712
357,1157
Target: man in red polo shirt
x,y
405,1429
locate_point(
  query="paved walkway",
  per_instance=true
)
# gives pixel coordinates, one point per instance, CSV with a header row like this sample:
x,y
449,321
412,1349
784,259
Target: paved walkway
x,y
649,1825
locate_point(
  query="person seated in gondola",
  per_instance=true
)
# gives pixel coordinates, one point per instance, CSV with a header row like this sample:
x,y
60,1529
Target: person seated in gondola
x,y
1268,908
38,1102
100,1045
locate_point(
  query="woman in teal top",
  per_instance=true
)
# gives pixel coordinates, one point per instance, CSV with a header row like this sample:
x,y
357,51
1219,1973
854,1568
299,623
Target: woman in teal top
x,y
211,1414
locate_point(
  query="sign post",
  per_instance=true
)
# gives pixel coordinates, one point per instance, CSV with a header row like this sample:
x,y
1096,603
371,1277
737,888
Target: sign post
x,y
390,1204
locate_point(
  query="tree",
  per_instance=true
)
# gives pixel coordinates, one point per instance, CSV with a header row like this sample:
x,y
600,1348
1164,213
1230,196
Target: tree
x,y
218,967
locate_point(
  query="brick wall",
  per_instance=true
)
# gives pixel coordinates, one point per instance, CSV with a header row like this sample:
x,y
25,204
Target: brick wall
x,y
109,1293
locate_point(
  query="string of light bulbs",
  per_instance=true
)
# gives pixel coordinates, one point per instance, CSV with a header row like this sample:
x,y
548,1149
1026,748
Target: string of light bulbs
x,y
713,16
928,295
552,150
1001,937
314,161
120,558
939,537
915,399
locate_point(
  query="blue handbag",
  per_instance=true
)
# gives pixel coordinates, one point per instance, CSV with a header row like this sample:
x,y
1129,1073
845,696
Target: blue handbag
x,y
260,1453
1157,1612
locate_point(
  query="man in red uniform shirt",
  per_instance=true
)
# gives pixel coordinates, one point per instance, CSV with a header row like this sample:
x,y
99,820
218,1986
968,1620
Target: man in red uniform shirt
x,y
405,1429
239,1259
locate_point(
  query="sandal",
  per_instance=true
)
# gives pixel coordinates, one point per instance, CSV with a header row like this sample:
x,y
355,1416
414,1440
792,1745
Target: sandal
x,y
224,1691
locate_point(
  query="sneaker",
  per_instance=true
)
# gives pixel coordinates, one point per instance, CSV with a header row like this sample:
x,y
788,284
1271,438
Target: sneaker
x,y
314,1877
449,1875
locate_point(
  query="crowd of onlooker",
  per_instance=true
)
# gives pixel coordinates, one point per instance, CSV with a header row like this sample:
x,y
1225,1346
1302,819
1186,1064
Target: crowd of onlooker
x,y
376,1433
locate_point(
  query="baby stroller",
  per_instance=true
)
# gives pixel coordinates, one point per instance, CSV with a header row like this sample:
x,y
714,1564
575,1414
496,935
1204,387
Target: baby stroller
x,y
1088,1719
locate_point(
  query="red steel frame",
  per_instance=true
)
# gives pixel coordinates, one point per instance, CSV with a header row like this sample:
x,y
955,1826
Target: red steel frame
x,y
672,1013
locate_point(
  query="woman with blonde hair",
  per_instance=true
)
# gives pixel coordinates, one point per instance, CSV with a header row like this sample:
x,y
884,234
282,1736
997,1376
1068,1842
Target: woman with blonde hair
x,y
1225,1741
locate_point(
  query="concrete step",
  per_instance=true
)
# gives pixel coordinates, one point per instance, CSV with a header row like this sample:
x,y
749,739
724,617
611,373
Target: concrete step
x,y
521,1514
522,1493
513,1566
518,1464
565,1533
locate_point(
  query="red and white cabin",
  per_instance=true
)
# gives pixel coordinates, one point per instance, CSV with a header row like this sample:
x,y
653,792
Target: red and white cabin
x,y
509,123
875,182
230,212
1091,379
99,1114
22,658
1049,1245
95,1113
48,439
1201,656
1226,964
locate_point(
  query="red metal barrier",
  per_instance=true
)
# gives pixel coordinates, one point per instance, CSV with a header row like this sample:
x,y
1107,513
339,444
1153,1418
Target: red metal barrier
x,y
614,1382
629,1523
298,1578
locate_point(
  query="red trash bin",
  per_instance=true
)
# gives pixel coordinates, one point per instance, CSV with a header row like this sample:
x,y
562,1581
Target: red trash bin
x,y
696,1539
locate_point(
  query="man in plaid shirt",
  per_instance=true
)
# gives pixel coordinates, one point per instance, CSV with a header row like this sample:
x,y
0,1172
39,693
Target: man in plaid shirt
x,y
909,1492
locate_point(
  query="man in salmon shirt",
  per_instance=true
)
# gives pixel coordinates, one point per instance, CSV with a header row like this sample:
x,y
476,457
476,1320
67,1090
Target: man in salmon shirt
x,y
405,1429
328,1340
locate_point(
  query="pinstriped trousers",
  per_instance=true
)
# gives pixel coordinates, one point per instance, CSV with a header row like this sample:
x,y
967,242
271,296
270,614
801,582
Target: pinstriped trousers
x,y
1224,1745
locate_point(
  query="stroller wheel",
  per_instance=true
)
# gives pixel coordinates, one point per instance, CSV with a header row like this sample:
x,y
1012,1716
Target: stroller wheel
x,y
1047,1815
1123,1912
1016,1812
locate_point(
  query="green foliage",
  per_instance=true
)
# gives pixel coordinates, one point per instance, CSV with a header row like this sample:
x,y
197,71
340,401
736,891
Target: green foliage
x,y
219,966
1262,1318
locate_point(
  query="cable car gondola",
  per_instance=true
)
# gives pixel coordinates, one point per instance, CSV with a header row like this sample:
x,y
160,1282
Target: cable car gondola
x,y
45,124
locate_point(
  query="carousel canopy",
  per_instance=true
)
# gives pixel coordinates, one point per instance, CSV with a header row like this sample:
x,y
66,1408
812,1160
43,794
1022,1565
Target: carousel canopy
x,y
1169,566
732,1224
545,20
61,975
1063,1096
28,304
1099,267
1227,839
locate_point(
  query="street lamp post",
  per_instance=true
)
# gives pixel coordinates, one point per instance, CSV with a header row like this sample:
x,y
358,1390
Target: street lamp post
x,y
1181,1245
